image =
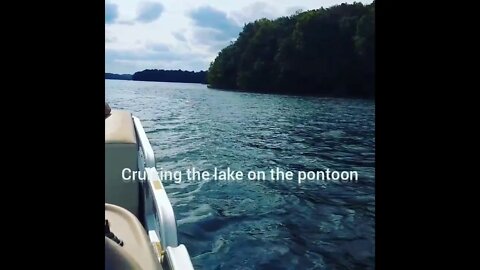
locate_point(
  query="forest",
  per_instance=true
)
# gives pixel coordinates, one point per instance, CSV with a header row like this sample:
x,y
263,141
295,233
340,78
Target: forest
x,y
112,76
322,52
160,75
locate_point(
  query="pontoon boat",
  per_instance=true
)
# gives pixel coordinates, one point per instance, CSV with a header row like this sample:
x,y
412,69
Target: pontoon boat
x,y
140,224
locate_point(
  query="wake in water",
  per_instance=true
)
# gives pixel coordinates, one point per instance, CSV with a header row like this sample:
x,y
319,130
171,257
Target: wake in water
x,y
262,224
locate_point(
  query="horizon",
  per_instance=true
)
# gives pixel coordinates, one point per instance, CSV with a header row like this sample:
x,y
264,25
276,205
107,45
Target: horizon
x,y
157,69
197,30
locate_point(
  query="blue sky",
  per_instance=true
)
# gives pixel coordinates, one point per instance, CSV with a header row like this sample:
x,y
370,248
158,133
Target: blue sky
x,y
183,34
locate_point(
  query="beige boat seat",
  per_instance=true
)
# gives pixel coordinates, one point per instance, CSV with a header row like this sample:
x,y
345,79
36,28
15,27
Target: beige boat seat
x,y
116,258
121,152
137,251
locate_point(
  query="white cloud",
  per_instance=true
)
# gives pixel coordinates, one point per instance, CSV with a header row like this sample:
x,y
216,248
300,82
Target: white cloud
x,y
149,11
111,13
255,11
185,34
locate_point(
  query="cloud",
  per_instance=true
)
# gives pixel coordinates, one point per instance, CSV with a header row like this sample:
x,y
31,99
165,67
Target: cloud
x,y
154,55
149,11
111,13
255,11
294,9
179,36
110,39
158,47
213,28
126,22
139,54
210,18
213,39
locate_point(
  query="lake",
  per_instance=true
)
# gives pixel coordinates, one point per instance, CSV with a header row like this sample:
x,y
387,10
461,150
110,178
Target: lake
x,y
262,224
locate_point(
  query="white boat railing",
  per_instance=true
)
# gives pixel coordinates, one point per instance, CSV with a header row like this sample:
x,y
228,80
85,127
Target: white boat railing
x,y
149,155
159,214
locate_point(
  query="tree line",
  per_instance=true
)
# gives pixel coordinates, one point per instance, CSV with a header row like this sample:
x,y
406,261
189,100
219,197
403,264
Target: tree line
x,y
113,76
160,75
325,52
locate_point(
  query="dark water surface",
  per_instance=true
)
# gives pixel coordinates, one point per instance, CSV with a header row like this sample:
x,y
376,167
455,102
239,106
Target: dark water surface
x,y
262,224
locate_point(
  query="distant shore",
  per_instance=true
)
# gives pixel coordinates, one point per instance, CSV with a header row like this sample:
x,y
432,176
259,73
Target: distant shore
x,y
113,76
155,75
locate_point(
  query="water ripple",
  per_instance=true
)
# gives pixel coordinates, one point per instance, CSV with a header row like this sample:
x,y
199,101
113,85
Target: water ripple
x,y
262,224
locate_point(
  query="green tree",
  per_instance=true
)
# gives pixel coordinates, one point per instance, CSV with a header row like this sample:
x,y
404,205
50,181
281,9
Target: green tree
x,y
328,52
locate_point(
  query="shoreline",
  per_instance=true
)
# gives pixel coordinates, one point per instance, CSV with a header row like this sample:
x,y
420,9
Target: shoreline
x,y
263,92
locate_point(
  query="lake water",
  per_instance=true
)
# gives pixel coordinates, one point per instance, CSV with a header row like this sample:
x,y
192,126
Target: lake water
x,y
262,224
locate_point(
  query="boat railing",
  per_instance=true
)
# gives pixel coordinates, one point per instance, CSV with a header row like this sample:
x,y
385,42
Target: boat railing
x,y
160,217
162,205
146,147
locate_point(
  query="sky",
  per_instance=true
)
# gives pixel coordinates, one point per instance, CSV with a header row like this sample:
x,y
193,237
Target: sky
x,y
183,34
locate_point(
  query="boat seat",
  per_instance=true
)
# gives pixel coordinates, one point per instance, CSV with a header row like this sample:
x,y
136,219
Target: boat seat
x,y
121,152
116,258
137,251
